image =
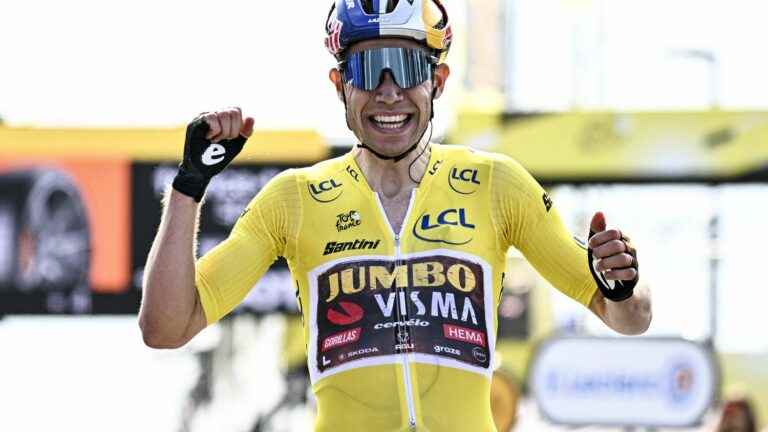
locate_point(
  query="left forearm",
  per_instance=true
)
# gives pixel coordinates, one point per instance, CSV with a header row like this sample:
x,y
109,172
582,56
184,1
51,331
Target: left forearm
x,y
631,316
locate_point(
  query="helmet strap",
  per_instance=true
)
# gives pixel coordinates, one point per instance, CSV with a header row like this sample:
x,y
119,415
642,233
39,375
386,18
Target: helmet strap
x,y
395,159
346,111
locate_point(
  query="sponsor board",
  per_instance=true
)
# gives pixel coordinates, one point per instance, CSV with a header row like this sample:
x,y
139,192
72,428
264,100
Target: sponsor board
x,y
639,382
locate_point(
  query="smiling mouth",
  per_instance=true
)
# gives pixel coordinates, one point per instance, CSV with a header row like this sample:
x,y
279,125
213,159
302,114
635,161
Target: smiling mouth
x,y
391,122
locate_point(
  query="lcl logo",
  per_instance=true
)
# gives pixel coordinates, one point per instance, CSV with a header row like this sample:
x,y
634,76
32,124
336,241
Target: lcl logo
x,y
428,229
319,191
464,181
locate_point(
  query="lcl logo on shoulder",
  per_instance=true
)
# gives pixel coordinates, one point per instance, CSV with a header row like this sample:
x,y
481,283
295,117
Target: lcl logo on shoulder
x,y
450,226
464,181
325,191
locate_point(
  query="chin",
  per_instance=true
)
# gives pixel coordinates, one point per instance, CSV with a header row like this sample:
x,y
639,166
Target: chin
x,y
390,148
390,145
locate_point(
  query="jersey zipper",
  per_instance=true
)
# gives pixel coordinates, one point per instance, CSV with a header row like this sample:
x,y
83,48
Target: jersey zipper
x,y
406,364
407,379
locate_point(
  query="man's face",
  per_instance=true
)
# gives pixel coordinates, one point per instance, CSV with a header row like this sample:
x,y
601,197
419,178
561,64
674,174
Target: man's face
x,y
389,119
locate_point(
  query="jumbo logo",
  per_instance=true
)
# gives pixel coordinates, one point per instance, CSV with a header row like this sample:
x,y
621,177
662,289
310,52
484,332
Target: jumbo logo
x,y
463,181
460,276
325,191
439,229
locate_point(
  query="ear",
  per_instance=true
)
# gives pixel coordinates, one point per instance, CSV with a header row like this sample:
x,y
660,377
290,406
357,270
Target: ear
x,y
335,76
442,72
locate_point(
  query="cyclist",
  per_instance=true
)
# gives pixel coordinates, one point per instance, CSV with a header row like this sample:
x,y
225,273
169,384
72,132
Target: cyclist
x,y
397,248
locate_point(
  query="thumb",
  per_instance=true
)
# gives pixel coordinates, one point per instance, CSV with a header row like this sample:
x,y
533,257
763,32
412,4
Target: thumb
x,y
247,128
598,224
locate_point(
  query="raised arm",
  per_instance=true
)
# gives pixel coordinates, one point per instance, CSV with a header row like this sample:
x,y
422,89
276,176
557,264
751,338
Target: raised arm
x,y
171,311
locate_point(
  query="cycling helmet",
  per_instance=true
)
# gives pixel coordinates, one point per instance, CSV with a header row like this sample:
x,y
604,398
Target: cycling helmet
x,y
425,21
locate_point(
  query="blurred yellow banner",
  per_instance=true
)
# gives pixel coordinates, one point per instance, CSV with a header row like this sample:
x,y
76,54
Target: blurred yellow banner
x,y
151,144
584,145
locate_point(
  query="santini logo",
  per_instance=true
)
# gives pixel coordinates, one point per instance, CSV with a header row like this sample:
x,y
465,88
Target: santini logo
x,y
439,229
325,191
214,154
336,247
463,181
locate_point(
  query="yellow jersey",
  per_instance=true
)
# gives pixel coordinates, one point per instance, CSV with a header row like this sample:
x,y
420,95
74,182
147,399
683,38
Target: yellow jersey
x,y
400,327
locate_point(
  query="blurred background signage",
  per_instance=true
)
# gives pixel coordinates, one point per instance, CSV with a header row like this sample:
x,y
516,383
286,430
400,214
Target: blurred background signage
x,y
617,381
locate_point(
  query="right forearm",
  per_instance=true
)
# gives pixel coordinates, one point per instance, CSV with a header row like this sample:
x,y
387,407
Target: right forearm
x,y
171,313
169,294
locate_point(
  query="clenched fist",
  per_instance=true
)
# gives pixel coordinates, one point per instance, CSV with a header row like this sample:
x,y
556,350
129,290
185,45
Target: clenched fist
x,y
212,142
612,260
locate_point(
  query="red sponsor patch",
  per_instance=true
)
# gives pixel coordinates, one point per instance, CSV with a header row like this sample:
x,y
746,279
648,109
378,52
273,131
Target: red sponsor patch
x,y
340,339
464,334
350,313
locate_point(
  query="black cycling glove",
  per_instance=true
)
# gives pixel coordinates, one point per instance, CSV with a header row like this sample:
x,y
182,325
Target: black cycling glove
x,y
614,290
203,159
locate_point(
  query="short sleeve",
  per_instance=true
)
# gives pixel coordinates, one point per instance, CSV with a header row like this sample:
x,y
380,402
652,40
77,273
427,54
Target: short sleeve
x,y
226,274
527,218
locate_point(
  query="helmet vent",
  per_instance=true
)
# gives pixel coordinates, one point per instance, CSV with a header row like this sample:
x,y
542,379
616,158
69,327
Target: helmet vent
x,y
371,7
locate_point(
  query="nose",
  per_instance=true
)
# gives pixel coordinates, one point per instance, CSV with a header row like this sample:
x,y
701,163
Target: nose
x,y
388,91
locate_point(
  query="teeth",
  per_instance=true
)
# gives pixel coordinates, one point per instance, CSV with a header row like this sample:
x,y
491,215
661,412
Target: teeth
x,y
391,125
390,119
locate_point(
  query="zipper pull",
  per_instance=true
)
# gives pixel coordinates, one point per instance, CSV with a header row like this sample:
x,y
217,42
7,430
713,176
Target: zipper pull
x,y
397,239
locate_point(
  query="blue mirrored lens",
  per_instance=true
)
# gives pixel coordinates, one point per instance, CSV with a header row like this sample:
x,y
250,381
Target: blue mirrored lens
x,y
409,67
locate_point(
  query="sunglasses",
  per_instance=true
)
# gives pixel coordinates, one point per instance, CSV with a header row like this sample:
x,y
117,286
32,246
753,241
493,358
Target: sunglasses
x,y
409,67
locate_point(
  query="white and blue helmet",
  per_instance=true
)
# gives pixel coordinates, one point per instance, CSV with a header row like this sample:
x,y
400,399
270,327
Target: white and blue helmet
x,y
425,21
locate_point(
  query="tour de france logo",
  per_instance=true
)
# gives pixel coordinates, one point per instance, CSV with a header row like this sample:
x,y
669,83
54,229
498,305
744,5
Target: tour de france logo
x,y
347,220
